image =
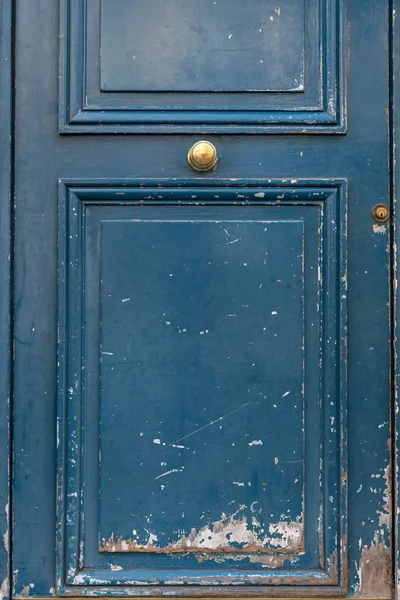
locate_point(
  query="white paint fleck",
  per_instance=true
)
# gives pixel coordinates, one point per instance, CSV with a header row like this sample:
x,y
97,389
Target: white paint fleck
x,y
256,443
156,441
285,394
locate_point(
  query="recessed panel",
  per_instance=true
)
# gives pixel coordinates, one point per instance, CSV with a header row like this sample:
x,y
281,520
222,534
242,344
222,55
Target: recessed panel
x,y
226,66
201,343
202,378
228,45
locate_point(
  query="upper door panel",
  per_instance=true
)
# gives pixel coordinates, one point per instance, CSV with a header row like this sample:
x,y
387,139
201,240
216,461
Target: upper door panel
x,y
222,66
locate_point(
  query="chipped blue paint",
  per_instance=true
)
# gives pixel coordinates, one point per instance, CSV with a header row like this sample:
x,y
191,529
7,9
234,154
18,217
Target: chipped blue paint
x,y
254,173
223,272
395,125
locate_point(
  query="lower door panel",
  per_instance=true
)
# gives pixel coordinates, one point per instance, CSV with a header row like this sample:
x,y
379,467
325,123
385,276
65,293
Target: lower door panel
x,y
202,390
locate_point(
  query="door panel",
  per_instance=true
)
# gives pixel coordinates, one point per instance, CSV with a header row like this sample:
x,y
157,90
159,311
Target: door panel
x,y
265,67
201,46
209,339
113,231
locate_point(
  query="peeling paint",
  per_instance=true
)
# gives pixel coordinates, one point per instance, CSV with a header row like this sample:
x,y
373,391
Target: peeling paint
x,y
379,228
6,535
267,561
4,588
375,568
25,591
375,571
385,517
230,534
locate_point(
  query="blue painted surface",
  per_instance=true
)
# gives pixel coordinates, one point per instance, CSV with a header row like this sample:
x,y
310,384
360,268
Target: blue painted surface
x,y
110,47
207,39
208,301
87,211
395,128
181,325
6,185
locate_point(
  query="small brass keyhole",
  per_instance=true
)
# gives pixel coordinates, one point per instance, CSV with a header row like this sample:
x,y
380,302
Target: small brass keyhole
x,y
381,213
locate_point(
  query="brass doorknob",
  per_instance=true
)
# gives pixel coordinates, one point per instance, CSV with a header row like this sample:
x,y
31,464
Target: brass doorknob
x,y
203,156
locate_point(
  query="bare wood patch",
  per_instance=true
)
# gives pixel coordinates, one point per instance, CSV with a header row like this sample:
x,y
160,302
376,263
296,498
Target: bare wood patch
x,y
230,534
375,571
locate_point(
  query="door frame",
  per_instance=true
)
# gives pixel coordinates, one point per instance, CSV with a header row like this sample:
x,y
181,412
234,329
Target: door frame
x,y
7,17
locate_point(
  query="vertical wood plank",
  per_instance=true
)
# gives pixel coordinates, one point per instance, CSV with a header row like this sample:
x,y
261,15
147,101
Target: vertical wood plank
x,y
6,173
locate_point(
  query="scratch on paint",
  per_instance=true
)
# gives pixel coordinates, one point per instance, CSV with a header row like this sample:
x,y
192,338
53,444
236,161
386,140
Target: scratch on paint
x,y
233,242
212,422
168,473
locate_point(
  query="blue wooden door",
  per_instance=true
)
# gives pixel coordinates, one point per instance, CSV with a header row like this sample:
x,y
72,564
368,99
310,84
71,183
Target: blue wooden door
x,y
202,351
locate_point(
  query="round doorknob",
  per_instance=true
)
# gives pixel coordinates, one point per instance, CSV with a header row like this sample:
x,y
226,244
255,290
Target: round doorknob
x,y
203,156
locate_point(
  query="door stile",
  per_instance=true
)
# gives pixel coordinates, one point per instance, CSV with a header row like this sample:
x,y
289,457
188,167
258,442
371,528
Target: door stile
x,y
394,123
6,188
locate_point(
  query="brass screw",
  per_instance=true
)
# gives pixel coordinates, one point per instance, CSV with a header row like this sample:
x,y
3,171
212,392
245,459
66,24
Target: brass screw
x,y
381,213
